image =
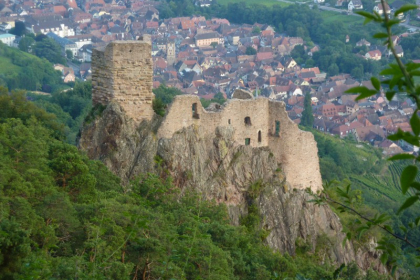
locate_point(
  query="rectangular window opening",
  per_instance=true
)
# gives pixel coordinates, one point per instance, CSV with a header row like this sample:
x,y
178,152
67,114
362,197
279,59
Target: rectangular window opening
x,y
277,128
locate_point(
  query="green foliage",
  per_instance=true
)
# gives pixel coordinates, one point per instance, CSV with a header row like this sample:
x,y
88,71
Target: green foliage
x,y
411,46
15,105
159,107
64,216
69,54
342,158
250,51
47,48
19,29
400,78
307,115
71,107
218,98
377,182
256,30
166,94
19,70
26,43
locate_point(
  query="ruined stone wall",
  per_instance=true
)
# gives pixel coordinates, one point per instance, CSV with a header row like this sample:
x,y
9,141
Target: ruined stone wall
x,y
296,150
180,115
123,71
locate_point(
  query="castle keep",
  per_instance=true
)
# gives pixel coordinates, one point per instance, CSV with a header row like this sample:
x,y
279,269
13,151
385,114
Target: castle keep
x,y
122,72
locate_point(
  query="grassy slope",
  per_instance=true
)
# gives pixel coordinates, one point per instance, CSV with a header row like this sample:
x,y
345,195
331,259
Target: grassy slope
x,y
334,17
380,183
7,67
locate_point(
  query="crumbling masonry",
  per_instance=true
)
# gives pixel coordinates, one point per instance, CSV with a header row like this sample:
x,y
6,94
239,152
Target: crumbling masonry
x,y
122,72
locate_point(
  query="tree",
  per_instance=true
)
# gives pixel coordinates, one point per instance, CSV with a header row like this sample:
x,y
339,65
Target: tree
x,y
40,37
166,94
250,51
333,70
26,43
158,107
214,44
69,54
307,115
19,29
256,30
49,49
357,72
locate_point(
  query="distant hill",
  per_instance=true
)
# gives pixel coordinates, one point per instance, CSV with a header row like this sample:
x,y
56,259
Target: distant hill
x,y
20,70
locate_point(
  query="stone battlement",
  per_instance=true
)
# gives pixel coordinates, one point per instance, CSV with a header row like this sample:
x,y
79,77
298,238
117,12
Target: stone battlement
x,y
123,71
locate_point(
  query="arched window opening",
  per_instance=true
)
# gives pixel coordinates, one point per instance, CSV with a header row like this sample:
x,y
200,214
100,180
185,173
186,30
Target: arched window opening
x,y
259,136
247,121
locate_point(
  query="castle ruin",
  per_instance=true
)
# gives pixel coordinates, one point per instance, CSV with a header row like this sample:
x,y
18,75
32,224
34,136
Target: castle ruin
x,y
122,72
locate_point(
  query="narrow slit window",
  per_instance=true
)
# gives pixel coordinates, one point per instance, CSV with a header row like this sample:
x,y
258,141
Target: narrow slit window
x,y
247,121
247,141
195,115
259,136
228,121
277,128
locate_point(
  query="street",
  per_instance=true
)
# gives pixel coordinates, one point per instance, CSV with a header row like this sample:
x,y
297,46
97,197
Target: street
x,y
75,67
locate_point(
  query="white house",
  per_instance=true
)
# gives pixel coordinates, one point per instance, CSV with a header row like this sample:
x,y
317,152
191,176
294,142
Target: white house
x,y
355,5
380,9
7,39
60,28
5,26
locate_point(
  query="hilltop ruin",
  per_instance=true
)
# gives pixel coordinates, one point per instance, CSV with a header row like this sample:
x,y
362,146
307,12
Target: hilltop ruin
x,y
122,72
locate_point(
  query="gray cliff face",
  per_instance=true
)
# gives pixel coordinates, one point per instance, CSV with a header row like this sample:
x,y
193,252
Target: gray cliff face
x,y
220,169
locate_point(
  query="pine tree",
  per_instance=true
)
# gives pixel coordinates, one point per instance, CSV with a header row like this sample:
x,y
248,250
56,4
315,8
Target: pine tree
x,y
307,116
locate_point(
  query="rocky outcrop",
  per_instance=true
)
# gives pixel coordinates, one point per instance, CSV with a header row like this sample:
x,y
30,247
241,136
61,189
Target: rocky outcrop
x,y
220,169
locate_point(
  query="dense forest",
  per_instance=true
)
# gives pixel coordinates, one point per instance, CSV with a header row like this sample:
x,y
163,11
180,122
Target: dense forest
x,y
63,216
70,106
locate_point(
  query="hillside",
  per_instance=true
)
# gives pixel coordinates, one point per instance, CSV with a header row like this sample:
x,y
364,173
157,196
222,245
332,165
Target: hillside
x,y
368,171
21,70
64,216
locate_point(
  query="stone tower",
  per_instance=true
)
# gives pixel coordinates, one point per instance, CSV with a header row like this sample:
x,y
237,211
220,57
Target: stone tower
x,y
123,71
170,52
